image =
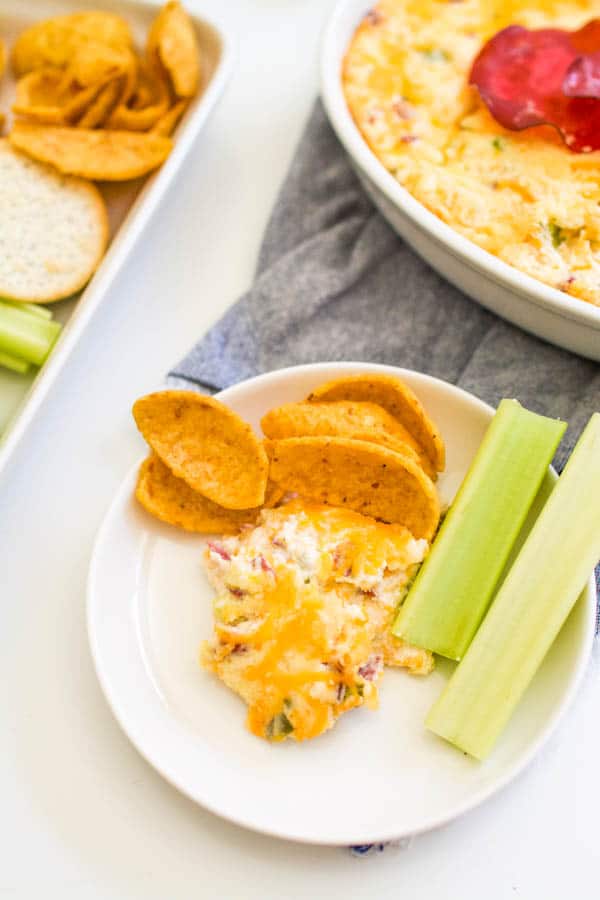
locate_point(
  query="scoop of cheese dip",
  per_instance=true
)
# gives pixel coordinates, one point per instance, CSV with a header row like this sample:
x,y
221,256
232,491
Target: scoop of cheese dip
x,y
522,196
303,606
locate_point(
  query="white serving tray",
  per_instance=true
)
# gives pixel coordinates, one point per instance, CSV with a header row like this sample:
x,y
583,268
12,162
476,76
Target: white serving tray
x,y
131,204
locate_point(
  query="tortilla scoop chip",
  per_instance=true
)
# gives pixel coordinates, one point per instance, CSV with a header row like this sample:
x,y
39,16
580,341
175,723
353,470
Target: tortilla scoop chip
x,y
137,119
206,444
40,95
143,106
152,87
97,63
46,96
54,42
96,114
343,418
172,500
141,97
99,155
397,399
131,77
172,44
168,121
360,475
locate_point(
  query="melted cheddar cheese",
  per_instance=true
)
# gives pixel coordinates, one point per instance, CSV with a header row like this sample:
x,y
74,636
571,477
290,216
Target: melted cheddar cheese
x,y
523,196
302,612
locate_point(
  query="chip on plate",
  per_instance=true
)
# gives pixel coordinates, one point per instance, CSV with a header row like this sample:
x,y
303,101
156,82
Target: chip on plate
x,y
172,46
172,500
97,154
341,418
395,397
363,476
54,42
206,444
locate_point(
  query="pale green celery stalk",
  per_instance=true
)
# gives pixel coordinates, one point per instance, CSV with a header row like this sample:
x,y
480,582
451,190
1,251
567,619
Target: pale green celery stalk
x,y
530,608
535,509
35,309
26,336
14,363
454,587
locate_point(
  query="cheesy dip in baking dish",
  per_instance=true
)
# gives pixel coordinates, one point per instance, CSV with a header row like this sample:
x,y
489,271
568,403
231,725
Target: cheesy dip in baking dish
x,y
303,607
521,195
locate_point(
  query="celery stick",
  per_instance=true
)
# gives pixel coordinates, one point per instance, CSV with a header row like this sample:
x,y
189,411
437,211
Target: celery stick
x,y
535,599
454,587
546,488
26,336
14,363
35,309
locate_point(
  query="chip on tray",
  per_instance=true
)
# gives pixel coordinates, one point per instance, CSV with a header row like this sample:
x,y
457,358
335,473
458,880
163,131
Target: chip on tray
x,y
173,49
394,396
123,118
98,111
51,246
40,95
89,106
168,121
342,418
97,154
172,500
144,106
97,63
54,42
45,96
363,476
207,445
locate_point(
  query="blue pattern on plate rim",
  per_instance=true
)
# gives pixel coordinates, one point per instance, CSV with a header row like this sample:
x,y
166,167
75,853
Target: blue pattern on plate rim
x,y
361,850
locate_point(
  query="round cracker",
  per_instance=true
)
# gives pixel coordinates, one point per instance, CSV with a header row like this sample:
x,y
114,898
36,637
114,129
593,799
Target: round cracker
x,y
53,230
206,444
172,500
395,397
360,475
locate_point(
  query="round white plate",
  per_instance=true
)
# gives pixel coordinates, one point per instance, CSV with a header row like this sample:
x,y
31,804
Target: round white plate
x,y
376,775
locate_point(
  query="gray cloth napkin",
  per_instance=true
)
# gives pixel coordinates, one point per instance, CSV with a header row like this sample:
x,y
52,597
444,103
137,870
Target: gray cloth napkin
x,y
334,282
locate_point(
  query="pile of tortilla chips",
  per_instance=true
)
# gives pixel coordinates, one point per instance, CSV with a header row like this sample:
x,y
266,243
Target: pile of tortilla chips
x,y
363,442
90,105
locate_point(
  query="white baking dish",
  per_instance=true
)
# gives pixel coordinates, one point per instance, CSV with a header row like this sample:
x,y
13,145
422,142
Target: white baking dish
x,y
521,299
131,205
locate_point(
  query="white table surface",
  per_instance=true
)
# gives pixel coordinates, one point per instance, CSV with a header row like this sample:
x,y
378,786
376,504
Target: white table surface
x,y
81,814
